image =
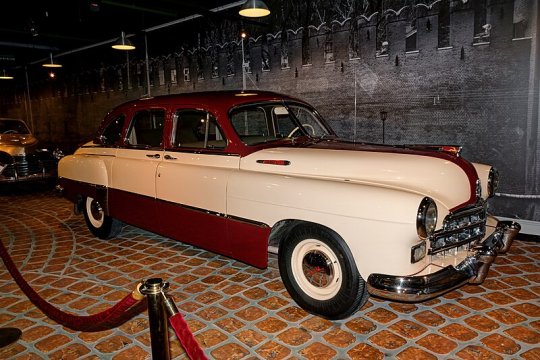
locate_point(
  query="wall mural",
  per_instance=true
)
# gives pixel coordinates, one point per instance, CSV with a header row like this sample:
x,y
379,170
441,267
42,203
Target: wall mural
x,y
445,71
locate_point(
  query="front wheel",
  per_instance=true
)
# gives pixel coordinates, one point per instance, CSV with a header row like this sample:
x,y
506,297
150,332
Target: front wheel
x,y
319,272
99,224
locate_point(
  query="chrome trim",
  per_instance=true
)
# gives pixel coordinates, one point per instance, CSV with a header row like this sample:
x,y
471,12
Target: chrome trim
x,y
460,223
472,270
421,214
493,182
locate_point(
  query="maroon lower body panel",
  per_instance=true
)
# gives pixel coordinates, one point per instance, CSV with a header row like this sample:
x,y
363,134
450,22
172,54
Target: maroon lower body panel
x,y
249,241
193,226
133,209
240,239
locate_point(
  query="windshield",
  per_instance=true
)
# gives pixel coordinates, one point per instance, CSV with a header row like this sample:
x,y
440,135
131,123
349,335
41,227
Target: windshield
x,y
12,126
264,122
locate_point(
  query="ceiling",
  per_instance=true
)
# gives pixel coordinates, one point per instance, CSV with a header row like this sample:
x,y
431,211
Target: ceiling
x,y
31,30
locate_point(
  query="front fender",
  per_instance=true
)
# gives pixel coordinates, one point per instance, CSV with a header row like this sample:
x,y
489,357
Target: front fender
x,y
378,224
90,169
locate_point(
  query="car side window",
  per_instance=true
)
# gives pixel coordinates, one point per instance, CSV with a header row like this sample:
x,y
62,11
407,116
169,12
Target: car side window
x,y
251,125
146,128
112,134
197,129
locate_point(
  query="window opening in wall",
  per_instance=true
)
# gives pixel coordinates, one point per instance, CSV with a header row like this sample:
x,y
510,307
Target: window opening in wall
x,y
265,55
187,76
284,49
411,30
214,62
200,66
119,83
197,129
230,60
161,75
443,26
329,48
523,12
152,72
382,45
482,30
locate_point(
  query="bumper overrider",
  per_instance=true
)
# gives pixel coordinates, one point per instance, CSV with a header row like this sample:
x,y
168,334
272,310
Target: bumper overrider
x,y
473,269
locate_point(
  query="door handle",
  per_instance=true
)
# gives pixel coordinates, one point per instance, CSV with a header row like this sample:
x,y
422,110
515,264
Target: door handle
x,y
169,157
155,156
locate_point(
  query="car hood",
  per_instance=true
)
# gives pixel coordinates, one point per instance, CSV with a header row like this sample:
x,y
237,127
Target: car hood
x,y
443,176
15,144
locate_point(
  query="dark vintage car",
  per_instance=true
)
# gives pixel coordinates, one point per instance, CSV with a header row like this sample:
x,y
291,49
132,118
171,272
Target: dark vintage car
x,y
244,173
22,158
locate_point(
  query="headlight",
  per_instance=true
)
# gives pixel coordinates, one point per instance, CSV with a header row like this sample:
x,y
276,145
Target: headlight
x,y
493,182
426,218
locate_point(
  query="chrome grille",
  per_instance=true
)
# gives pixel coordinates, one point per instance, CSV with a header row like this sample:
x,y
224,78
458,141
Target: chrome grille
x,y
29,165
459,228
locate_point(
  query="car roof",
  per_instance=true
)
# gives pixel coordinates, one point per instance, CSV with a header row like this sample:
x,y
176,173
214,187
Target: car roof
x,y
226,98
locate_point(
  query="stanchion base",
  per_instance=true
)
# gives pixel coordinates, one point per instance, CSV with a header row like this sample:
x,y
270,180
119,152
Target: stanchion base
x,y
8,336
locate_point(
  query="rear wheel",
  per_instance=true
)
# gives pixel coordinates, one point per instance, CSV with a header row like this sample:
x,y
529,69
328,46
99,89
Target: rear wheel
x,y
99,224
319,272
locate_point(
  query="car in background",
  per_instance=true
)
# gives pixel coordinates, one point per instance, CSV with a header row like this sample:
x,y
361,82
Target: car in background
x,y
22,158
242,173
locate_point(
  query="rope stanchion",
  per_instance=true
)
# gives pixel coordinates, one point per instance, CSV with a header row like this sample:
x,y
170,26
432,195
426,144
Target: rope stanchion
x,y
112,317
181,328
159,304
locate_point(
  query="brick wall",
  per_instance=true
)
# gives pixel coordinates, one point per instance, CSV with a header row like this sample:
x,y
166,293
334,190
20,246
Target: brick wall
x,y
474,93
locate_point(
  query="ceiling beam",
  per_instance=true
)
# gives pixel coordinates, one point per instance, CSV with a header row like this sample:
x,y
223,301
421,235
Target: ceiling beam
x,y
139,8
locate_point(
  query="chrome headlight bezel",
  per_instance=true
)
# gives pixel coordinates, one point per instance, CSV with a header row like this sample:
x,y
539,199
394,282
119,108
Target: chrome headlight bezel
x,y
493,182
426,218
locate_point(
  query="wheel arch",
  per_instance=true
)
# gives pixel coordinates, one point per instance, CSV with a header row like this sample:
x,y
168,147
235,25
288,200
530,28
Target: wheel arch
x,y
283,228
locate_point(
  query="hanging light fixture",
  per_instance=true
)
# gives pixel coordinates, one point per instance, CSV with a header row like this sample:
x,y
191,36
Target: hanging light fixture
x,y
5,76
123,43
254,8
51,64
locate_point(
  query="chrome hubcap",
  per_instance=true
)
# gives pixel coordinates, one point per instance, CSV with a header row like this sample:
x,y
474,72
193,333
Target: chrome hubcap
x,y
317,268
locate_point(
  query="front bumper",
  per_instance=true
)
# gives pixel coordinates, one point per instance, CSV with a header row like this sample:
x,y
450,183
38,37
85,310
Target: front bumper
x,y
473,269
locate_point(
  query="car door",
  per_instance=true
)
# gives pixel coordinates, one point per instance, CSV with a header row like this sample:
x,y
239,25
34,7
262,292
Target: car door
x,y
133,185
191,181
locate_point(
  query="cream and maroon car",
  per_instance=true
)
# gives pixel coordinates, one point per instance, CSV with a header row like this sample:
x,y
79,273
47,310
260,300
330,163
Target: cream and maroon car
x,y
245,173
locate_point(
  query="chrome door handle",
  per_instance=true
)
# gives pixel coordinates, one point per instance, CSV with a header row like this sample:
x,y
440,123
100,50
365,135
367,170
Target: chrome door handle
x,y
169,157
155,156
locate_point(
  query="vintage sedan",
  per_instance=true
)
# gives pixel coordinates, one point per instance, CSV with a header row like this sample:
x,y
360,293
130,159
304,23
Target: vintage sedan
x,y
22,158
245,173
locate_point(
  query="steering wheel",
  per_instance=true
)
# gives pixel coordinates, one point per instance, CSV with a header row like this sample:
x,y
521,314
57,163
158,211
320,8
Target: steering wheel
x,y
298,128
11,131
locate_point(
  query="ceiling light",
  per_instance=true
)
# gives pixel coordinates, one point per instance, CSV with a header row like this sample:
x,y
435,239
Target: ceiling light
x,y
51,64
5,76
94,5
123,43
254,8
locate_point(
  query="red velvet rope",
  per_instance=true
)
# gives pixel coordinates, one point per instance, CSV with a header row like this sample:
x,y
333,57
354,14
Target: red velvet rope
x,y
190,345
112,317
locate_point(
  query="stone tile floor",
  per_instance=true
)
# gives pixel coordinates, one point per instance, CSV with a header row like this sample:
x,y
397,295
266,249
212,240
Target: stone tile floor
x,y
237,311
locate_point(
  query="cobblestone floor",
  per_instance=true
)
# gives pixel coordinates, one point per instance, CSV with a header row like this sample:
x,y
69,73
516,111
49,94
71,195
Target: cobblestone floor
x,y
237,311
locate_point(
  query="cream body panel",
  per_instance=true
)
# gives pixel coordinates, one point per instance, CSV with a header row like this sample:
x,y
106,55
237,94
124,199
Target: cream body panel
x,y
360,214
440,179
91,164
133,171
198,180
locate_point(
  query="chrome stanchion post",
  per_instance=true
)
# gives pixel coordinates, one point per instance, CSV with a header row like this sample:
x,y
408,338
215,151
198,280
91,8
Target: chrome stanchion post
x,y
157,317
